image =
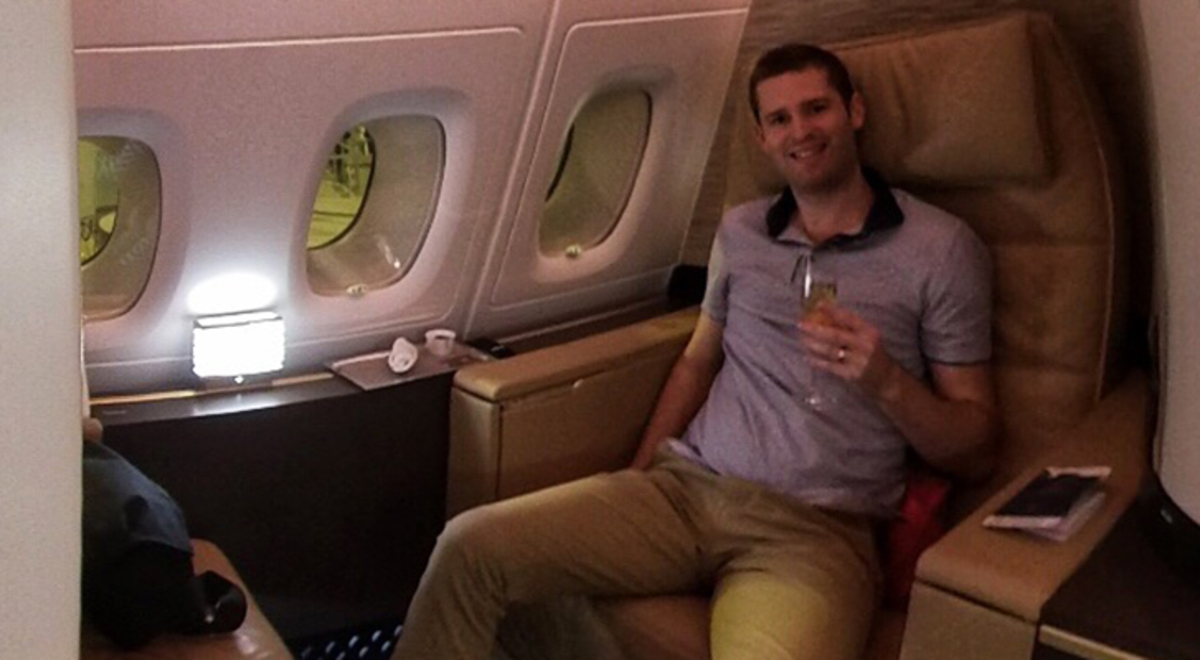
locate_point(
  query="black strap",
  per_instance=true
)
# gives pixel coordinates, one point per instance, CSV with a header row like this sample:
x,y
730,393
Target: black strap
x,y
220,606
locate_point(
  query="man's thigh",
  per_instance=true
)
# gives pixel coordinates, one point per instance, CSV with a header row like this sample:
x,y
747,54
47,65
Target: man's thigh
x,y
619,533
813,600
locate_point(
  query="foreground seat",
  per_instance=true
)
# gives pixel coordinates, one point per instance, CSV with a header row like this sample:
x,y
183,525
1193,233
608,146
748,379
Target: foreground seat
x,y
254,640
992,121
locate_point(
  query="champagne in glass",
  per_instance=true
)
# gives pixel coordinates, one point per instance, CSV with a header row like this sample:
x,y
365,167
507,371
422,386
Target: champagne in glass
x,y
819,292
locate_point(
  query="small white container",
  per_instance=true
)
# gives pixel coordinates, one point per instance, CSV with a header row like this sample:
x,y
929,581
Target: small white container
x,y
439,342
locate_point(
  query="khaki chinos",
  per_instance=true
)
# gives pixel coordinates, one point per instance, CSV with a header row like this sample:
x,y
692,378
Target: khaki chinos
x,y
789,581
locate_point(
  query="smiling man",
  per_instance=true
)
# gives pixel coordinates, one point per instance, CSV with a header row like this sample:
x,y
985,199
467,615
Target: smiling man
x,y
779,441
807,127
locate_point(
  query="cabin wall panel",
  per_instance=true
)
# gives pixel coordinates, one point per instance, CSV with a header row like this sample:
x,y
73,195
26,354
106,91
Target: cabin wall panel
x,y
682,61
241,101
242,134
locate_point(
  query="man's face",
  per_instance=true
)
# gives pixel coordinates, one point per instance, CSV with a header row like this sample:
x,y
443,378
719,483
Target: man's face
x,y
807,131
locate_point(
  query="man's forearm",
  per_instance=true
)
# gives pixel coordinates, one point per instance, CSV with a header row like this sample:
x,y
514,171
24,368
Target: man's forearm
x,y
682,395
954,435
951,422
686,388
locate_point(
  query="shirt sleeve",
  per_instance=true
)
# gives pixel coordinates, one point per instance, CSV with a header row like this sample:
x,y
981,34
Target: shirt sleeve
x,y
716,290
956,327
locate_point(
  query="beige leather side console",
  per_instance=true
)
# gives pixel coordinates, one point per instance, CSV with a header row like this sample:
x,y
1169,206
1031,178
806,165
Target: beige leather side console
x,y
980,592
559,413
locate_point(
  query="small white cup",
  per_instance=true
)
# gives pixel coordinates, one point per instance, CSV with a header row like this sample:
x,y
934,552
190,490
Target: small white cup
x,y
440,342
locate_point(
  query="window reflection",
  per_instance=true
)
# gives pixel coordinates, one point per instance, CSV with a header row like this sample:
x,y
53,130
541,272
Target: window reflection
x,y
375,204
99,197
119,201
343,190
594,176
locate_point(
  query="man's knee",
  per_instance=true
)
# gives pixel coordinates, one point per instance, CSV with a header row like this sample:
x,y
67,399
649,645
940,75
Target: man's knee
x,y
755,615
470,540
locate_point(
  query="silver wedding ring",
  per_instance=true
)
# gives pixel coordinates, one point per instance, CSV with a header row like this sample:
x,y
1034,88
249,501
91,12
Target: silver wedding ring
x,y
841,354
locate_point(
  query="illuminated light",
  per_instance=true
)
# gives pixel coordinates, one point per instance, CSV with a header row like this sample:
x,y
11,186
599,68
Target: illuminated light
x,y
229,294
237,345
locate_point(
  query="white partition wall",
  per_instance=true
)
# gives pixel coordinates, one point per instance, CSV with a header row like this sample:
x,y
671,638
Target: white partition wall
x,y
680,55
1173,54
40,491
241,109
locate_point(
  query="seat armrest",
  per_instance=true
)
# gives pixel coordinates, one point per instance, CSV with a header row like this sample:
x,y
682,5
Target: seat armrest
x,y
1017,573
557,413
565,363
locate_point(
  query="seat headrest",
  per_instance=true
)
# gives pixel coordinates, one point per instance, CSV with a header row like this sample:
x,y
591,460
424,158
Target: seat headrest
x,y
955,107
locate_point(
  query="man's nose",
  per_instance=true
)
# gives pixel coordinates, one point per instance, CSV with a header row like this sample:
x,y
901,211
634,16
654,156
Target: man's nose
x,y
801,127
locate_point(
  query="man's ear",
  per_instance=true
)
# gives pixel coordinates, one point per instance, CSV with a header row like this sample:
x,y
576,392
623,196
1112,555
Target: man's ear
x,y
858,111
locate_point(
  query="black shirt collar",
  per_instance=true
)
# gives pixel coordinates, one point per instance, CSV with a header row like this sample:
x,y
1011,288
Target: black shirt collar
x,y
885,212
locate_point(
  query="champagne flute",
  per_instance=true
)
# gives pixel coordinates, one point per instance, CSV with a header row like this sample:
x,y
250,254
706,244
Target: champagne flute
x,y
819,290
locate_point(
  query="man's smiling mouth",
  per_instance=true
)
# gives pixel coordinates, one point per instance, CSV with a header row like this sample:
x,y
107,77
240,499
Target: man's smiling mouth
x,y
804,153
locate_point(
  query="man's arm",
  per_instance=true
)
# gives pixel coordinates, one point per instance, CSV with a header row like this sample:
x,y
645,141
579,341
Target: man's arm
x,y
953,426
686,388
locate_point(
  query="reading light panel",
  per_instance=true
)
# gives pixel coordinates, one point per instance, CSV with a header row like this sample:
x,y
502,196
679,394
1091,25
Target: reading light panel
x,y
233,345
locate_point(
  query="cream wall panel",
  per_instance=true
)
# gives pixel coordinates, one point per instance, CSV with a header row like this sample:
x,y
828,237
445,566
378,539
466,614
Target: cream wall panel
x,y
40,491
242,133
683,62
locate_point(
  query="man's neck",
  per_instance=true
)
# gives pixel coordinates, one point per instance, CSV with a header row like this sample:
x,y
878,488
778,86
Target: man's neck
x,y
840,210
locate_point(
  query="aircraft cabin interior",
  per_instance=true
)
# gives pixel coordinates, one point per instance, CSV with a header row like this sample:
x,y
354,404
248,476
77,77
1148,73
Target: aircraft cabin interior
x,y
331,274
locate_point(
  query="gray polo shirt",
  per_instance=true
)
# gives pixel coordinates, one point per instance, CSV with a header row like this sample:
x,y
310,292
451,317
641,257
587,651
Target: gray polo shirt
x,y
916,272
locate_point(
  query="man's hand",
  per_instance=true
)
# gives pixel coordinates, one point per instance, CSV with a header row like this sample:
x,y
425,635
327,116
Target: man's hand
x,y
951,421
842,343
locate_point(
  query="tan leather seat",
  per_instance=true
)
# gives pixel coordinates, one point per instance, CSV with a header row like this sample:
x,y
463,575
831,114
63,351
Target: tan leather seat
x,y
992,121
254,640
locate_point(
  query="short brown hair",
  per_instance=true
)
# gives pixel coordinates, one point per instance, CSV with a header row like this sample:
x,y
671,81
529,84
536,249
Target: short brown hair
x,y
795,58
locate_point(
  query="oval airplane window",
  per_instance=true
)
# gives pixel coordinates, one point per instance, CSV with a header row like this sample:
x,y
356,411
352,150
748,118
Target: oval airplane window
x,y
597,166
118,222
375,203
343,188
